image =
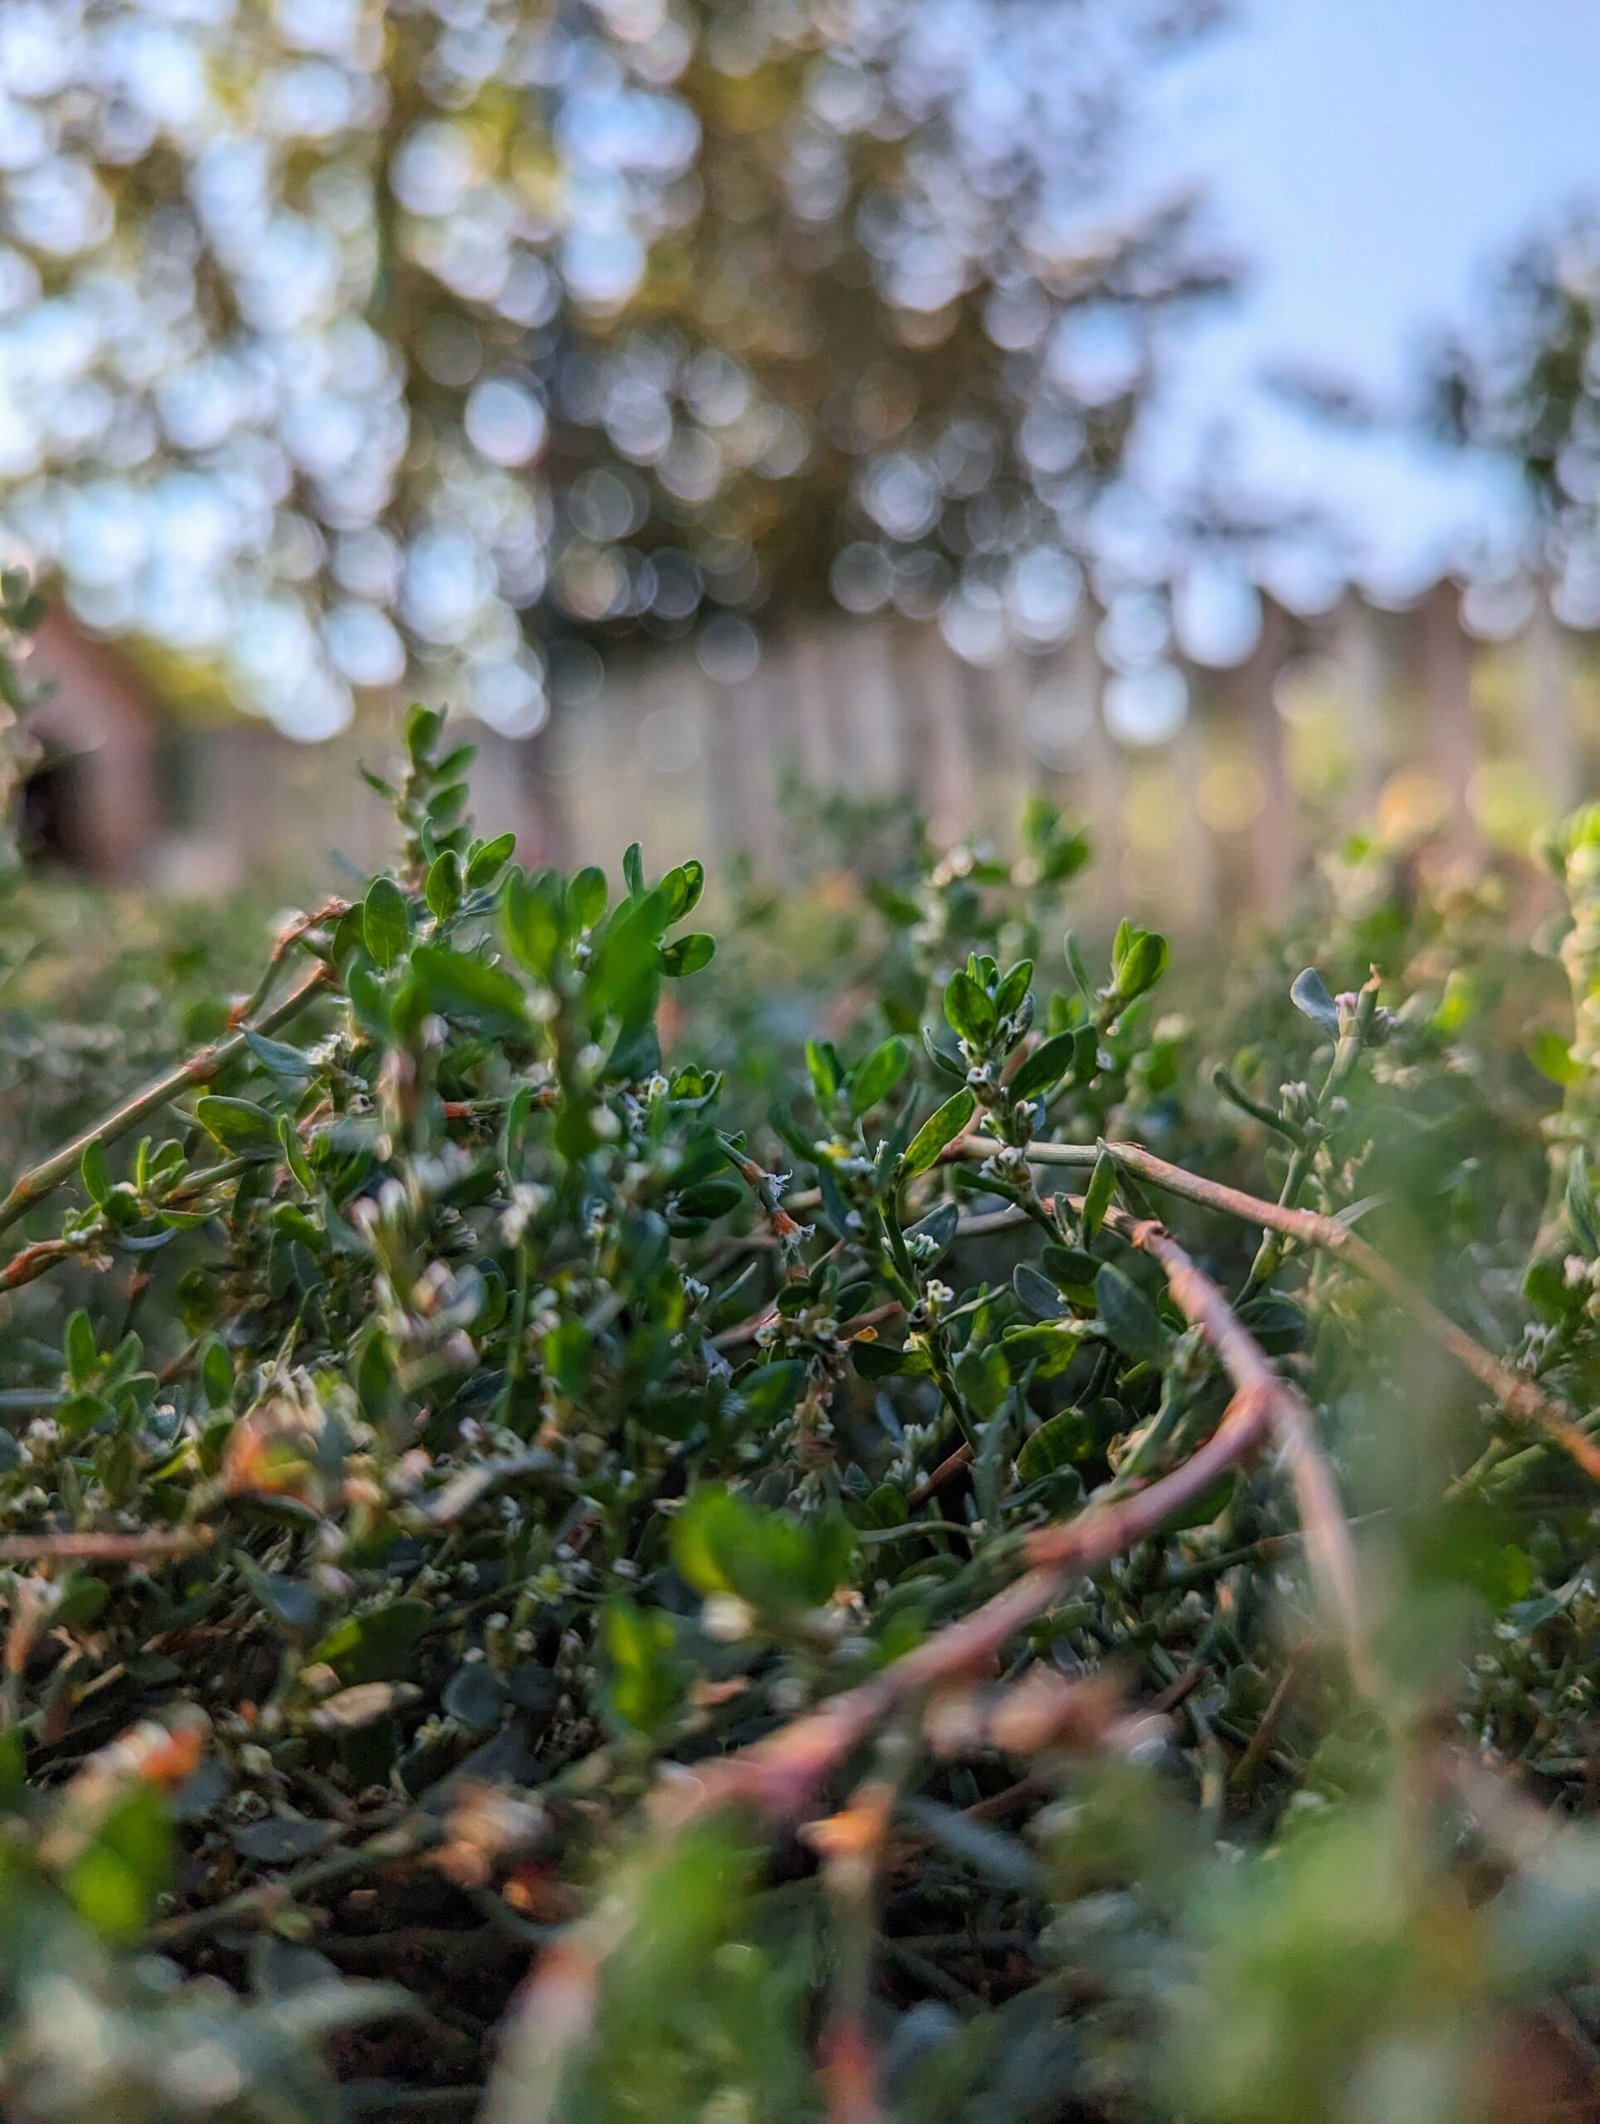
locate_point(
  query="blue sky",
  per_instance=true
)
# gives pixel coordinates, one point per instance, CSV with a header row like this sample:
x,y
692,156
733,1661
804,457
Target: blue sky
x,y
1371,159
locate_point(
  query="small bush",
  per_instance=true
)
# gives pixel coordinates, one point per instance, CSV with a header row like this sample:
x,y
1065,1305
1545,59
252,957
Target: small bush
x,y
537,1572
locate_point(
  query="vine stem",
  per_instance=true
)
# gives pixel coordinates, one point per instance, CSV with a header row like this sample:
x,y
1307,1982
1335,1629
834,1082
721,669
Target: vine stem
x,y
45,1177
1522,1399
778,1777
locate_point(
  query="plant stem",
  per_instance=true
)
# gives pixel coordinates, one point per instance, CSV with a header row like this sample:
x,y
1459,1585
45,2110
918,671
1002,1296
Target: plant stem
x,y
1522,1399
154,1547
267,1899
43,1178
1270,1252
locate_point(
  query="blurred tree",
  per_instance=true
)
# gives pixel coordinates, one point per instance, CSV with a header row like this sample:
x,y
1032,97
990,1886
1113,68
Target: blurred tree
x,y
338,340
1526,389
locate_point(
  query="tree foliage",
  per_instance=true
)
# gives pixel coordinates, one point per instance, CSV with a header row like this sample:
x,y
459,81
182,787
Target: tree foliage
x,y
1522,389
338,340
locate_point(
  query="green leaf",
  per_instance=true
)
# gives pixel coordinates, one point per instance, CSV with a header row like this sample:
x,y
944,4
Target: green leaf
x,y
239,1125
881,1360
1131,1321
423,728
586,899
370,1002
1276,1322
1309,995
569,1358
94,1172
938,1230
385,922
944,1059
487,862
1209,1505
709,1200
457,985
1036,1294
877,1074
682,888
1046,1349
293,1602
81,1413
294,1156
770,1391
825,1070
775,1561
1058,1443
1097,1195
1072,1268
277,1057
216,1372
646,1685
940,1128
1039,824
82,1600
1548,1292
1045,1067
531,921
115,1880
443,889
475,1697
984,1378
1143,963
883,1507
971,1014
1552,1057
1065,857
283,1839
687,955
1008,997
377,1645
1077,968
627,958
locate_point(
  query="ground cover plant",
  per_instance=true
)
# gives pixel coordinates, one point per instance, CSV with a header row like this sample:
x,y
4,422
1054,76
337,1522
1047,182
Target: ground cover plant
x,y
578,1546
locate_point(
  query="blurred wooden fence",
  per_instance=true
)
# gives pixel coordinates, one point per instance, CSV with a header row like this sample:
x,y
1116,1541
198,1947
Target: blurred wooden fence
x,y
1363,715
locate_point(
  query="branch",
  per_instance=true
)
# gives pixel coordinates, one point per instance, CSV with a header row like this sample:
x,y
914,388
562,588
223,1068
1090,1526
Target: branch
x,y
1522,1399
747,1330
268,1900
104,1548
288,937
1329,1555
199,1069
34,1261
946,1471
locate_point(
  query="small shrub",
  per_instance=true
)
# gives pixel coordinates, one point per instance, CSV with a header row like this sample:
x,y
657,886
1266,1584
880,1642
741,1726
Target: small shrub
x,y
535,1571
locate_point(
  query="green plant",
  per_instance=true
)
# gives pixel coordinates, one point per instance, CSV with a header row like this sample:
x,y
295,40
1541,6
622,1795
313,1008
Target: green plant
x,y
534,1575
